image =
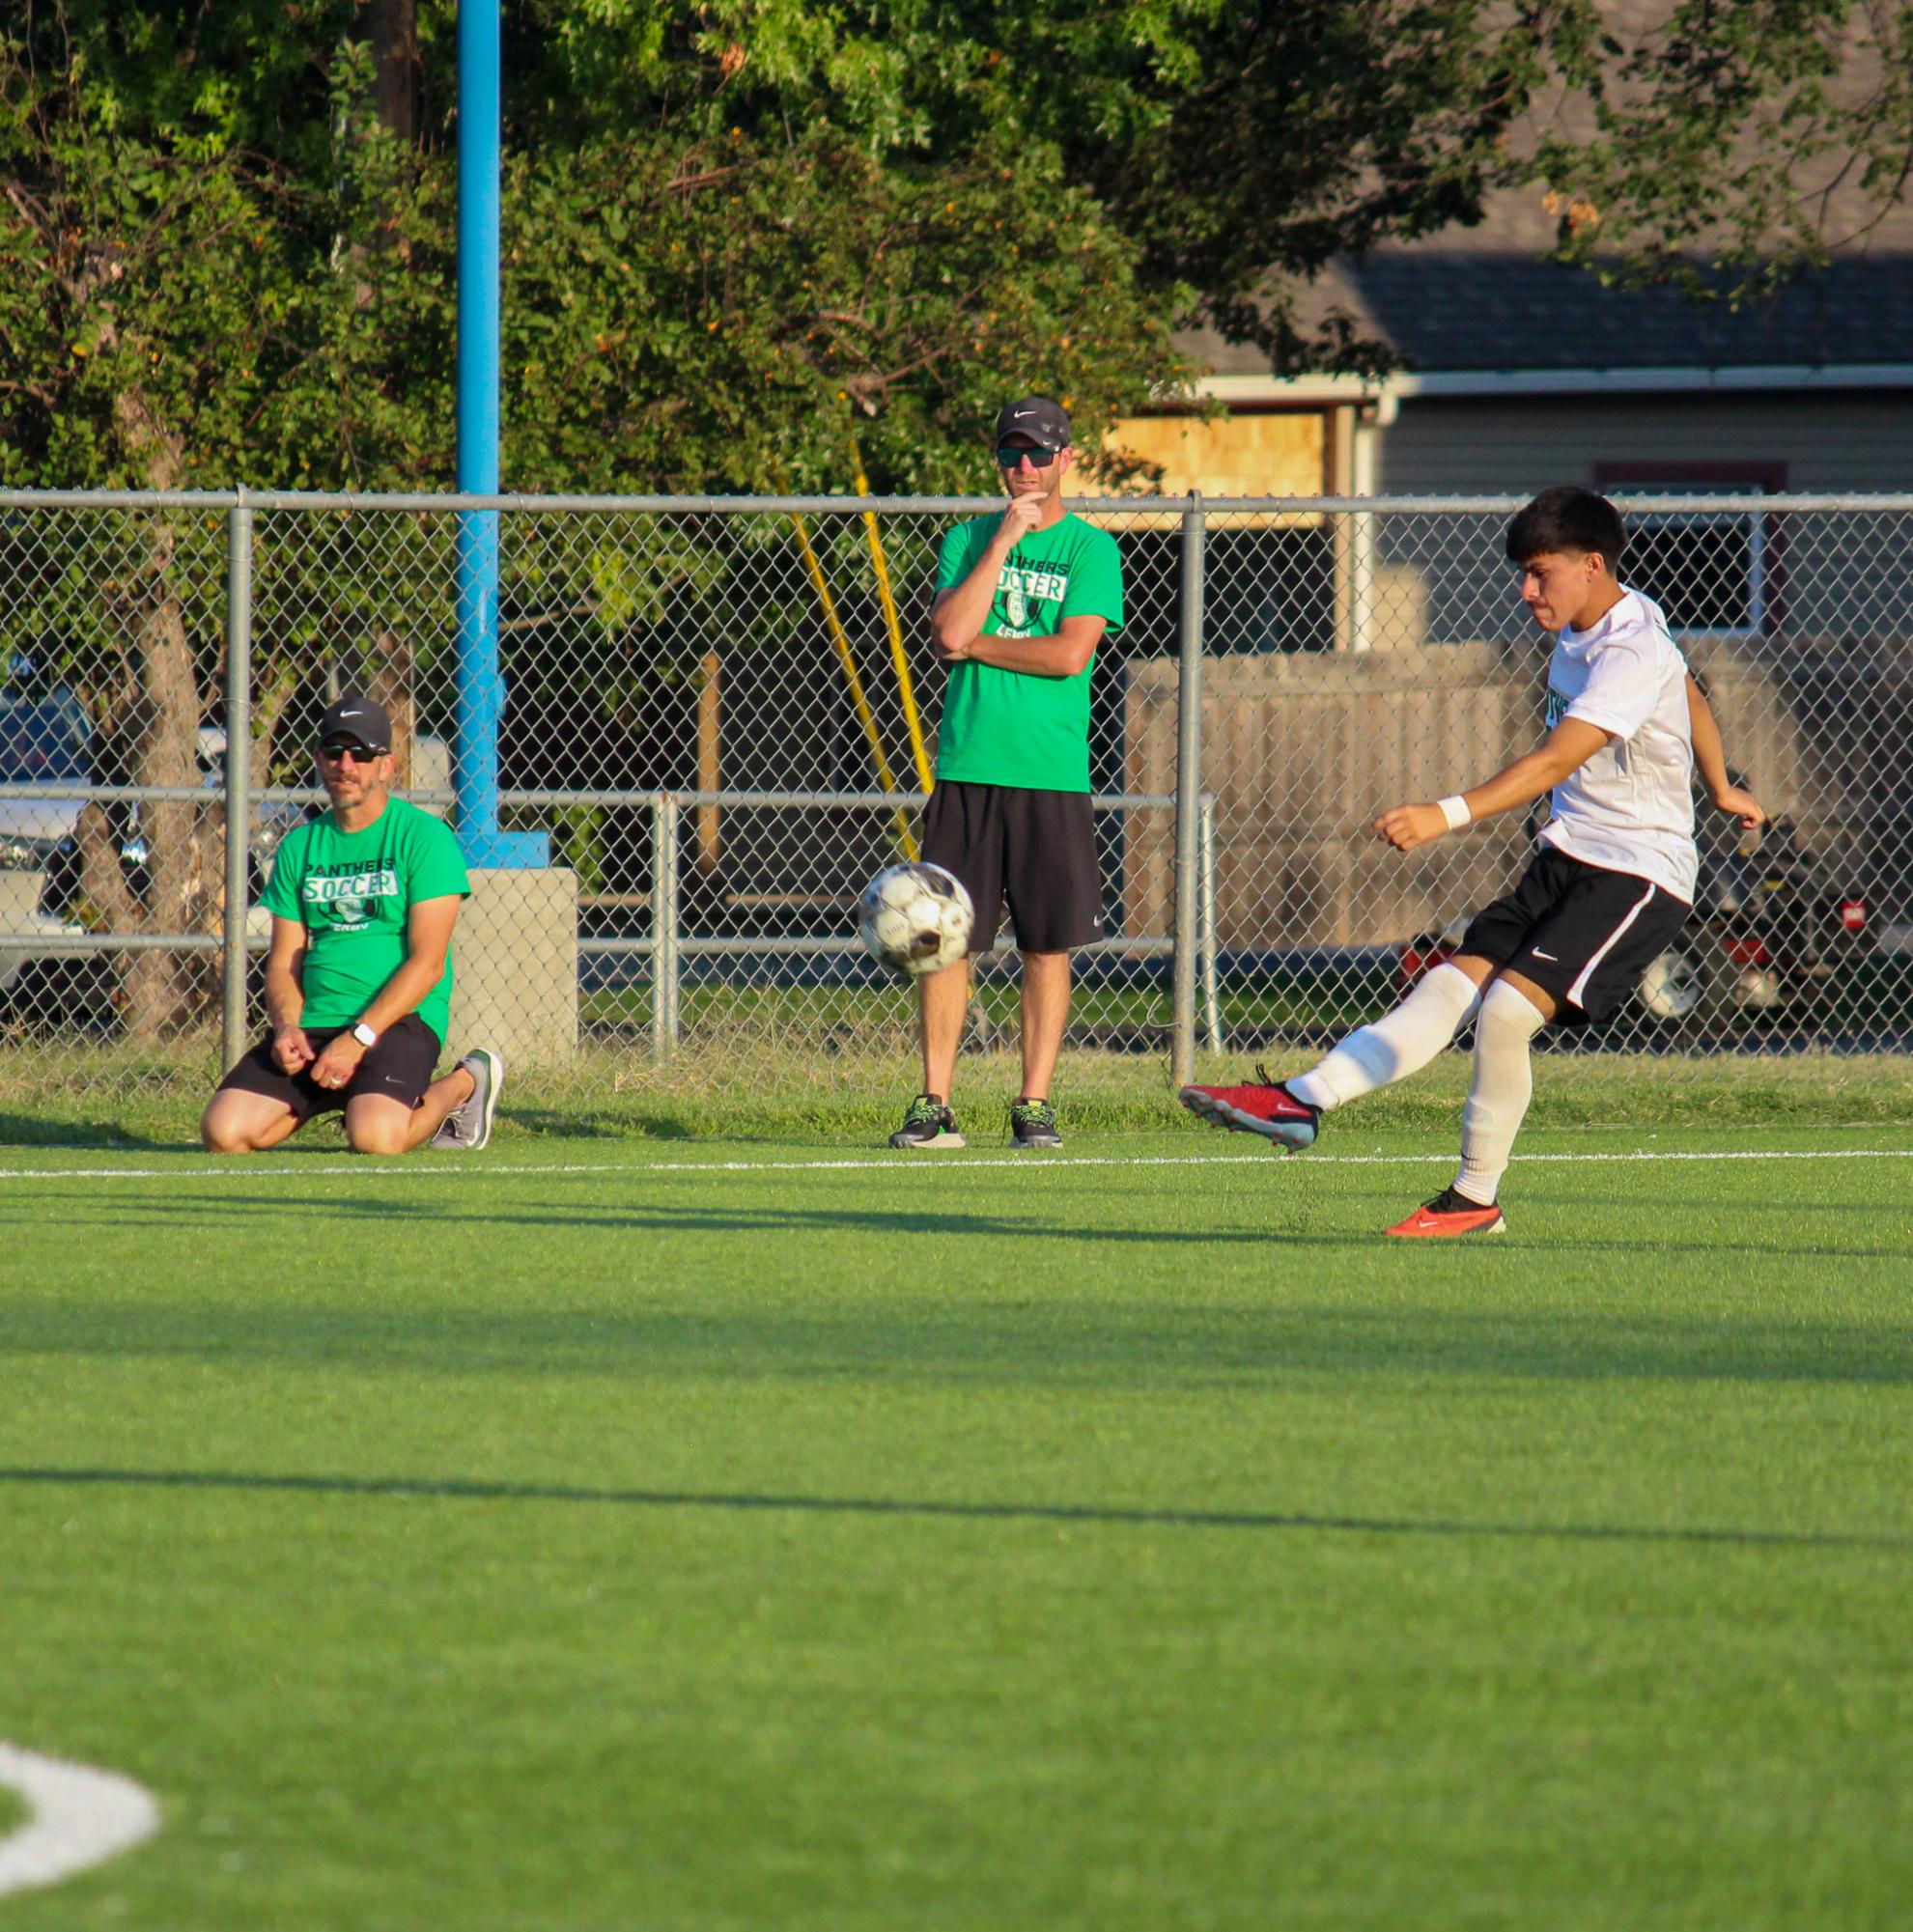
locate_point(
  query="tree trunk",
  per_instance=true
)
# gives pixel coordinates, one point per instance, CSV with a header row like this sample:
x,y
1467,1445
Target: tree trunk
x,y
391,681
184,842
392,29
274,690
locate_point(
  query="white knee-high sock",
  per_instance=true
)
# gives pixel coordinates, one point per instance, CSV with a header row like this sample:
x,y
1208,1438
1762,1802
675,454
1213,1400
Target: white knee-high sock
x,y
1497,1097
1399,1044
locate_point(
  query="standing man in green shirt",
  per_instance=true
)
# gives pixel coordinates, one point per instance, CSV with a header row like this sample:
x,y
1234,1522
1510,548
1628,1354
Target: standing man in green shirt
x,y
358,981
1023,600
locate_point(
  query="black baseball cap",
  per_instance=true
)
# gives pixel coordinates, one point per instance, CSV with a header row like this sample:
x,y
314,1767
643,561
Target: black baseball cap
x,y
1039,419
357,719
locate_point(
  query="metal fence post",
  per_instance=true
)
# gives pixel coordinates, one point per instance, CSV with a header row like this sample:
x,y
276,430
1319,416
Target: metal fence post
x,y
239,772
1187,791
664,955
1211,1011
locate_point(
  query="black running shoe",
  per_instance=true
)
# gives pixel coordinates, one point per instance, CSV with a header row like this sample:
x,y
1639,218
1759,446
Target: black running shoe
x,y
929,1124
1033,1124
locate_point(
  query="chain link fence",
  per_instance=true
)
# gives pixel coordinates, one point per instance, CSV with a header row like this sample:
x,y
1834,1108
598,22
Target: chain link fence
x,y
722,718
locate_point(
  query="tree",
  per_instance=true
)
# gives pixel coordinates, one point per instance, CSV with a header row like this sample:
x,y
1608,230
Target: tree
x,y
1218,140
738,230
160,328
1731,146
1241,146
231,263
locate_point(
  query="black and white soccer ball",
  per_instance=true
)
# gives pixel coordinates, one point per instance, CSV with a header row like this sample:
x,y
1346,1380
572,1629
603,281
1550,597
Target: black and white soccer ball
x,y
1673,986
916,918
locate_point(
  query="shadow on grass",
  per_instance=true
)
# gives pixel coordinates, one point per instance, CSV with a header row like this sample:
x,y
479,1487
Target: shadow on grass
x,y
26,1129
1281,1233
636,1320
555,1123
1115,1516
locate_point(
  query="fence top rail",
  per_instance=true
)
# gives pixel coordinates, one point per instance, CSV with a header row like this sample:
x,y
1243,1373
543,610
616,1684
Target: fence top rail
x,y
213,796
1102,801
418,503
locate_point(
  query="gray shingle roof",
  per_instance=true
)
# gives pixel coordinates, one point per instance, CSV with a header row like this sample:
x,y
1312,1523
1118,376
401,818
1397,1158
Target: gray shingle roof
x,y
1444,309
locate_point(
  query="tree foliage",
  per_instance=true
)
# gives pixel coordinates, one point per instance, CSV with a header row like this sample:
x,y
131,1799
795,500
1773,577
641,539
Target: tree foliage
x,y
1734,145
751,245
735,226
244,274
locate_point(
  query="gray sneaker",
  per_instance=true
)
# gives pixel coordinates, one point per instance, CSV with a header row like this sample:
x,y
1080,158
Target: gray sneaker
x,y
468,1127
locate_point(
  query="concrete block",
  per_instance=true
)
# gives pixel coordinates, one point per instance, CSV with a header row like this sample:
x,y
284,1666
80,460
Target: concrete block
x,y
515,967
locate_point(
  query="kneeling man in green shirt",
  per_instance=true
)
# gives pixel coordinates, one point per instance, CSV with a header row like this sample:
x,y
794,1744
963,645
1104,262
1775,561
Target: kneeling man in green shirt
x,y
358,981
1023,600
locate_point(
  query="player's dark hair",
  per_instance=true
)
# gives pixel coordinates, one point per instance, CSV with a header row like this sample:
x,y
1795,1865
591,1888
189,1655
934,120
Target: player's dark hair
x,y
1563,519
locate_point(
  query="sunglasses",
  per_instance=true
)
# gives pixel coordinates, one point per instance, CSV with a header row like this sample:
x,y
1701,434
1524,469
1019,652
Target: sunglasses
x,y
336,754
1013,456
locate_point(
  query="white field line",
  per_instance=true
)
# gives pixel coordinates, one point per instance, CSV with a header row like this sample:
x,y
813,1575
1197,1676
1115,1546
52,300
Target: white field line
x,y
79,1817
904,1163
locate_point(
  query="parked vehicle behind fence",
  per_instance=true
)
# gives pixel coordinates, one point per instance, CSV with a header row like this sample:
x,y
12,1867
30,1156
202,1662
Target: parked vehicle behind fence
x,y
45,964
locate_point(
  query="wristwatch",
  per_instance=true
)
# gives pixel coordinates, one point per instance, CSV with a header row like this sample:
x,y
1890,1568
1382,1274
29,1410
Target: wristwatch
x,y
364,1034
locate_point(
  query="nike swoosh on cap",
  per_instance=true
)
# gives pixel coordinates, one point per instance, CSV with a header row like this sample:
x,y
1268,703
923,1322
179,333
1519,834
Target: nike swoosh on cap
x,y
1541,955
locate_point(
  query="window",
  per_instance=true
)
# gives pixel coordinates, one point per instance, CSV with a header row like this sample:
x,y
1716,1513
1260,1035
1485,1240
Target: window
x,y
1710,569
1268,590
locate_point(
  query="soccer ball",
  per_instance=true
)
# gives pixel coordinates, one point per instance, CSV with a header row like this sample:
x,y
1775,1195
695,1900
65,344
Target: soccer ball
x,y
916,918
1673,986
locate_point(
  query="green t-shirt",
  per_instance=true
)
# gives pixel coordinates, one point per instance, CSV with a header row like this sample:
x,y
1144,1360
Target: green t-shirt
x,y
1016,727
354,891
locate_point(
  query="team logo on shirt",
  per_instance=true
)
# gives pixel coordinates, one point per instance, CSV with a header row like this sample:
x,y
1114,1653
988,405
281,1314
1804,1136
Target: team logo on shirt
x,y
1019,589
1558,704
348,898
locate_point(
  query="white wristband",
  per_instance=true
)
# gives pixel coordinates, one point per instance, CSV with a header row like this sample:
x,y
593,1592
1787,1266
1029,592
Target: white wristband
x,y
1455,811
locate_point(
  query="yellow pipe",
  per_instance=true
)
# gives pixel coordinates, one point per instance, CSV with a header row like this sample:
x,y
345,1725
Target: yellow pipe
x,y
834,625
900,657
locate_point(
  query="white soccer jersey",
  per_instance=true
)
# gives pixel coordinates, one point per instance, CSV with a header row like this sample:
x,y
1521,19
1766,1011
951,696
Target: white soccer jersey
x,y
1630,808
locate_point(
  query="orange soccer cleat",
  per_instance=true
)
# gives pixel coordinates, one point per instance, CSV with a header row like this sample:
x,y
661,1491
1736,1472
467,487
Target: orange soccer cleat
x,y
1451,1213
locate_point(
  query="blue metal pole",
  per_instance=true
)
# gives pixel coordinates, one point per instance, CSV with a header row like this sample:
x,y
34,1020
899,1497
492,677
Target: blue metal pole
x,y
480,698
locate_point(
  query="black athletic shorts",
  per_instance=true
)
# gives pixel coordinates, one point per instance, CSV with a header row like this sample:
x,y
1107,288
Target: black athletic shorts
x,y
1582,933
400,1067
1035,849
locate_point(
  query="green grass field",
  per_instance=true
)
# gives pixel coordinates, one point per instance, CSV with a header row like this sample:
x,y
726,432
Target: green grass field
x,y
621,1532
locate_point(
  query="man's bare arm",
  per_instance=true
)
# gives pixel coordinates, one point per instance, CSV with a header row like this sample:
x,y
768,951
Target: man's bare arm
x,y
1061,656
285,971
285,995
428,939
1710,761
958,614
428,934
1565,749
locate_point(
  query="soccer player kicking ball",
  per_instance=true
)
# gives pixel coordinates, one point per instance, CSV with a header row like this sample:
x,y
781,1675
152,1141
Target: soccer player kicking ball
x,y
1610,886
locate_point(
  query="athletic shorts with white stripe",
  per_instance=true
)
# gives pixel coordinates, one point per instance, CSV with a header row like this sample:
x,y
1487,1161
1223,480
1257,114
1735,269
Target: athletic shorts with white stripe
x,y
1579,932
